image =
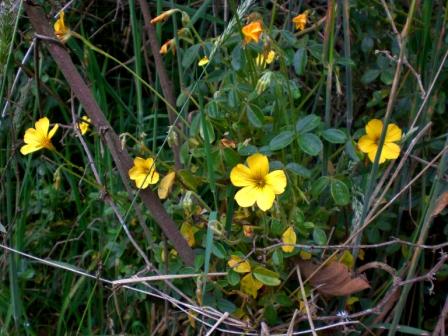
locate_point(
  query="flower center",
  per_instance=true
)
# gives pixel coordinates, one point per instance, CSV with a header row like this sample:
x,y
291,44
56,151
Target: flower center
x,y
260,182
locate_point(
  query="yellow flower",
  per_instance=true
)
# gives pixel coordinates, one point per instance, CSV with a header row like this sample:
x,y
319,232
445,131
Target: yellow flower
x,y
168,45
84,124
369,143
263,59
250,285
61,31
258,184
38,137
165,185
203,61
252,31
143,172
289,237
301,20
238,264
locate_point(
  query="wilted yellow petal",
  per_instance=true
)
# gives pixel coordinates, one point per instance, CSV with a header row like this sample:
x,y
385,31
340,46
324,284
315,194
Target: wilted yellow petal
x,y
305,255
187,232
289,237
250,285
238,264
361,254
351,300
347,259
248,230
165,185
300,20
203,61
252,31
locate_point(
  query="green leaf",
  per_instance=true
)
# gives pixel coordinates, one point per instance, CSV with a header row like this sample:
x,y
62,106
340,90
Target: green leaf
x,y
277,257
319,236
351,151
319,185
277,227
281,140
370,75
213,111
219,250
340,192
265,276
270,314
238,59
210,131
300,60
254,115
307,123
233,278
366,44
334,135
310,144
247,150
298,169
190,55
225,305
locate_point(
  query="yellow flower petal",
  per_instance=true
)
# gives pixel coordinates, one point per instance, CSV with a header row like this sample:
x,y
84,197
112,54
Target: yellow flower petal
x,y
42,125
84,124
165,185
250,285
391,151
277,181
27,149
246,196
258,165
265,197
241,176
289,237
393,133
53,131
366,144
271,57
372,155
374,128
32,137
238,264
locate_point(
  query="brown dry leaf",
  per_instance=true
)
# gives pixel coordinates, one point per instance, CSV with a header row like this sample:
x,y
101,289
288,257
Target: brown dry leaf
x,y
334,279
442,202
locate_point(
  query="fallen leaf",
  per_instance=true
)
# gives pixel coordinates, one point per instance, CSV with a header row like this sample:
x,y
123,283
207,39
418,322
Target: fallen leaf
x,y
333,279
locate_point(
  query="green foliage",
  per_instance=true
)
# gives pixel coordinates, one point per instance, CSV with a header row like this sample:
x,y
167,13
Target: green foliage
x,y
294,110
